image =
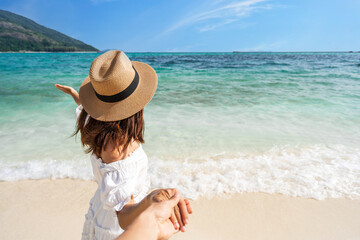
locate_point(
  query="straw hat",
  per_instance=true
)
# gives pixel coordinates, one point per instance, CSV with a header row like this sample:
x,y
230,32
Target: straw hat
x,y
116,87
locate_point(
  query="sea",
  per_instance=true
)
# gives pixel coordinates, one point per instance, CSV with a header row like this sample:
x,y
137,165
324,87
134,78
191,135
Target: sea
x,y
219,123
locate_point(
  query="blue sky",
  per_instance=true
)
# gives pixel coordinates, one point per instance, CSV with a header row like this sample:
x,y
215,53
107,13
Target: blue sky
x,y
192,25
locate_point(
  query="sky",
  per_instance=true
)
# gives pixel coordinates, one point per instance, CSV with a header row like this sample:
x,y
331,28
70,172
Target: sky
x,y
200,25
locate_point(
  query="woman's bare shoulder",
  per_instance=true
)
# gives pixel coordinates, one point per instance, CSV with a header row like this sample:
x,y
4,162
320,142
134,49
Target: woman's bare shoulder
x,y
113,154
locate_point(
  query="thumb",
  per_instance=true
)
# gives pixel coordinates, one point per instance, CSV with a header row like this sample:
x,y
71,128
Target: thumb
x,y
174,200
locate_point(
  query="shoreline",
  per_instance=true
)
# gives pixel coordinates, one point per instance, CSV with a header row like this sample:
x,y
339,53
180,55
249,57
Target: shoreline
x,y
55,209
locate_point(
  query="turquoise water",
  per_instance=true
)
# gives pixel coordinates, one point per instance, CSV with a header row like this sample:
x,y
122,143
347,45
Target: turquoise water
x,y
270,122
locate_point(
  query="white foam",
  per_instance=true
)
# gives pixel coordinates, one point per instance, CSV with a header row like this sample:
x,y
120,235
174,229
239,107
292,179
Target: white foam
x,y
47,168
317,171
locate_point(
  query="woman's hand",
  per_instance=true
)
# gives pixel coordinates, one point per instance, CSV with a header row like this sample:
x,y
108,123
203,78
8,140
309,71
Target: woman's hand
x,y
180,214
154,222
162,211
71,91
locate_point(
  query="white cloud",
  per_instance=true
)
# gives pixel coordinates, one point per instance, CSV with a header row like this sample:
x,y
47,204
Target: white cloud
x,y
223,14
210,27
213,26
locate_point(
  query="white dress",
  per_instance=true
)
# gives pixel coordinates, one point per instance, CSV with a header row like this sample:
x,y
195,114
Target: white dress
x,y
117,181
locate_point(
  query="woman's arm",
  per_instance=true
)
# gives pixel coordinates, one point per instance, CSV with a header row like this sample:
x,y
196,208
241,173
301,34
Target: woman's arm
x,y
130,211
71,91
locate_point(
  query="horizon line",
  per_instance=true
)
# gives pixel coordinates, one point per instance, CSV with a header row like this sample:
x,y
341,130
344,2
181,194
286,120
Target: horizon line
x,y
345,51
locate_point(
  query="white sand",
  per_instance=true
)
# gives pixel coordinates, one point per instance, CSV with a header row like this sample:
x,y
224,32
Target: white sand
x,y
55,209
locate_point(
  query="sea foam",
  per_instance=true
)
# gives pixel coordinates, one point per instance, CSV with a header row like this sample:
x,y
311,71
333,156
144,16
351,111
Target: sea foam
x,y
316,171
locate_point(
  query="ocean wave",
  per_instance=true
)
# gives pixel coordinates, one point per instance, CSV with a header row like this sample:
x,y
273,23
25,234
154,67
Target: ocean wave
x,y
317,172
47,168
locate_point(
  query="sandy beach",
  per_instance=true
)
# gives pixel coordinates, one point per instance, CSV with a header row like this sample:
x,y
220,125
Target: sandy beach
x,y
54,209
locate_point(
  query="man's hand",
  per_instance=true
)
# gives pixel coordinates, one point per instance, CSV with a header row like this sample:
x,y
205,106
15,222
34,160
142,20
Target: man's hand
x,y
154,223
71,91
162,211
180,214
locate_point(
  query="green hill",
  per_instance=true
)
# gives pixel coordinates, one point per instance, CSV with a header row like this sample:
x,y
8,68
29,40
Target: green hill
x,y
18,33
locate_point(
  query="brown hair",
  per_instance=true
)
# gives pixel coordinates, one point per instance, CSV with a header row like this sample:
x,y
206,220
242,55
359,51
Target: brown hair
x,y
95,134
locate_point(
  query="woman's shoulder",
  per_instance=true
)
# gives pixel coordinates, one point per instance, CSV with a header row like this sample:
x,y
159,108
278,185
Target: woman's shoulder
x,y
112,154
134,159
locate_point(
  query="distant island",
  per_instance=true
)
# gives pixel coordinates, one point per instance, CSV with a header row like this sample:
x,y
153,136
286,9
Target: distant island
x,y
18,33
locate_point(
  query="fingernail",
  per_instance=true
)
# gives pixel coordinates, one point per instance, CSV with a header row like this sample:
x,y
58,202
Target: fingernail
x,y
177,226
183,228
186,221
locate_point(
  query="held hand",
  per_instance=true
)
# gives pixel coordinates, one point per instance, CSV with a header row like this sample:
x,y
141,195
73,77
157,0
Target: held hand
x,y
162,212
154,223
71,91
179,216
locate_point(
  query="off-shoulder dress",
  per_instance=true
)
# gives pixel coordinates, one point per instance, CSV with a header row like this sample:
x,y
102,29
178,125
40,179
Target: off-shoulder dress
x,y
117,181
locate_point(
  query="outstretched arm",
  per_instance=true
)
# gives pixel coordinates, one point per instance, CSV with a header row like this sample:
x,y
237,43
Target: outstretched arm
x,y
71,91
